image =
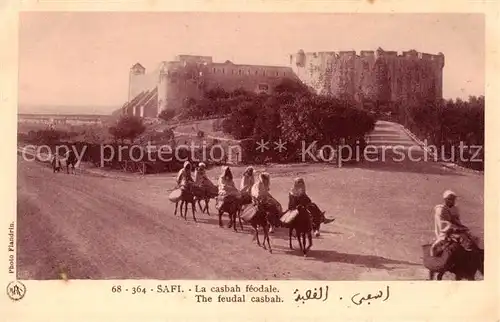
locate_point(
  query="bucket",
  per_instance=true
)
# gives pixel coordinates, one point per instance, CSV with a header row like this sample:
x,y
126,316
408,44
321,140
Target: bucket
x,y
289,216
248,212
175,195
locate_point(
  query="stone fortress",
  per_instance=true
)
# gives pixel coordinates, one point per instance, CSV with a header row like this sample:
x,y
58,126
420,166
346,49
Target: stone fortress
x,y
376,75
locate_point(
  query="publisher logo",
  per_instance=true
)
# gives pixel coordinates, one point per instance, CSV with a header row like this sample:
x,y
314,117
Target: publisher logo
x,y
16,290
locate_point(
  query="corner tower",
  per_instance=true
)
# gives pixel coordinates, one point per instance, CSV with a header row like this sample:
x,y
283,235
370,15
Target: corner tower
x,y
136,76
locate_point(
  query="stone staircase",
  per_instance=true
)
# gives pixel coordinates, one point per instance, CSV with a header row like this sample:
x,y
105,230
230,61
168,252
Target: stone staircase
x,y
405,152
389,134
396,142
145,104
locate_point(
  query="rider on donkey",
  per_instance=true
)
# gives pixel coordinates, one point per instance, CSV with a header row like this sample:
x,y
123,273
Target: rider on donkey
x,y
298,197
201,180
261,197
184,178
227,189
246,184
448,226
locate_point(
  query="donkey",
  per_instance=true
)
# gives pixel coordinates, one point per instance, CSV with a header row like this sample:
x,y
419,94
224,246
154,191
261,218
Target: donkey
x,y
187,197
70,159
244,200
303,227
456,260
232,207
203,209
317,218
261,220
204,195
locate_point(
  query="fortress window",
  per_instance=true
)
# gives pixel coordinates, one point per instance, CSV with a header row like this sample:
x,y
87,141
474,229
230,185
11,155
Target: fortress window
x,y
263,73
214,70
256,72
239,72
223,71
277,73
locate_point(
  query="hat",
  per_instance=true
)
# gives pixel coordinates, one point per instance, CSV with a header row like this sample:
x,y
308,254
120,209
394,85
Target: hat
x,y
448,193
202,165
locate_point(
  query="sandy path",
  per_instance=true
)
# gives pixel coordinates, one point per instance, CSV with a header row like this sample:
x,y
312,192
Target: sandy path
x,y
103,228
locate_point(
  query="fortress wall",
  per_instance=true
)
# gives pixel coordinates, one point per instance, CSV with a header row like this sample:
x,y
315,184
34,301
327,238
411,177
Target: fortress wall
x,y
251,78
364,76
393,68
348,67
382,75
316,70
439,62
179,81
191,78
337,80
221,70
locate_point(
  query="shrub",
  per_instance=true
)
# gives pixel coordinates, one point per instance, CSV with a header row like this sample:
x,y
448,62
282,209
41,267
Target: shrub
x,y
127,127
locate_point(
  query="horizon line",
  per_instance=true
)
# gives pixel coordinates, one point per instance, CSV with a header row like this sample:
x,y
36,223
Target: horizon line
x,y
119,105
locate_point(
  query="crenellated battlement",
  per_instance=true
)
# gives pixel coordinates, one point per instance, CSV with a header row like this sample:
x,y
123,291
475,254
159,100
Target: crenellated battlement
x,y
410,54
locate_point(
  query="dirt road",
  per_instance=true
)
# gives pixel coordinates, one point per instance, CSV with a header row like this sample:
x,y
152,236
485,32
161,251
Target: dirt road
x,y
123,228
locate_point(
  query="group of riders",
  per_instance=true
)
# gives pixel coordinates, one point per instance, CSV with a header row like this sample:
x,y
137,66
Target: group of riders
x,y
449,229
251,191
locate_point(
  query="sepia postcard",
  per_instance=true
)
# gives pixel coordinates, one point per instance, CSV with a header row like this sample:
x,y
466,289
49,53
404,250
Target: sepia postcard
x,y
258,161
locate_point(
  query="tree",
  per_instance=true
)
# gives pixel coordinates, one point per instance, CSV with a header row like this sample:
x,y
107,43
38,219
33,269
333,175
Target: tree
x,y
324,119
267,123
91,136
127,127
292,112
241,121
446,123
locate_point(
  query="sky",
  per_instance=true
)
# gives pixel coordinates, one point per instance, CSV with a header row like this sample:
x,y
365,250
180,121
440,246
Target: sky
x,y
79,62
